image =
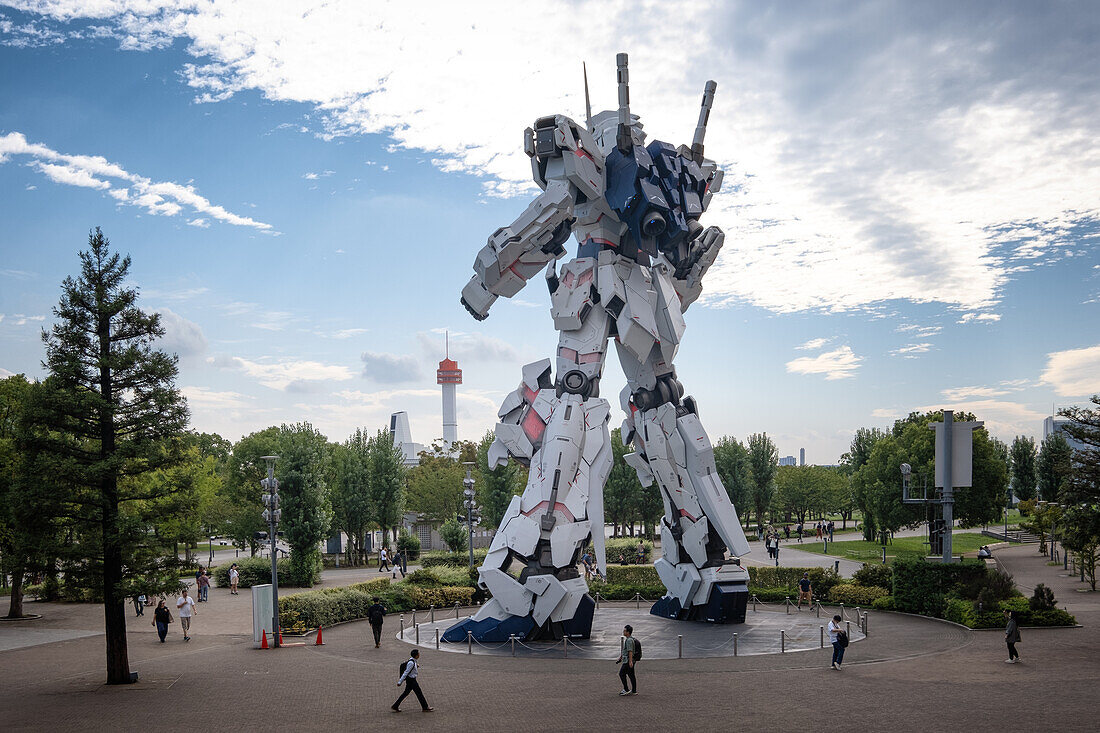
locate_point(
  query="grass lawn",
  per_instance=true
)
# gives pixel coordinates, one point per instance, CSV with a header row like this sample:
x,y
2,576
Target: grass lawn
x,y
863,551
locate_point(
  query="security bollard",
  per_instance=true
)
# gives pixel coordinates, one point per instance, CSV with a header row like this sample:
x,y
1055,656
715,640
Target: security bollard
x,y
735,643
637,600
414,617
822,637
597,600
842,610
469,642
565,646
782,641
512,639
859,614
418,634
437,639
402,627
819,609
431,610
787,603
680,643
456,610
848,628
754,603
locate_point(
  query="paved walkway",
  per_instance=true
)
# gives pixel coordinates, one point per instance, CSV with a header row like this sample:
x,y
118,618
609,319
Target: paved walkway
x,y
906,672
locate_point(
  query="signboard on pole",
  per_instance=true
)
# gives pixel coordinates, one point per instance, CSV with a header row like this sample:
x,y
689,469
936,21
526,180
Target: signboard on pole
x,y
262,612
962,453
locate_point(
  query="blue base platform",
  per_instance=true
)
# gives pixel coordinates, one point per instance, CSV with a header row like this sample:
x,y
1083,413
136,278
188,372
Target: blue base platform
x,y
524,628
727,604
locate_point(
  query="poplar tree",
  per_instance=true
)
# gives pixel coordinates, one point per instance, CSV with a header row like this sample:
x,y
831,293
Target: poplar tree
x,y
108,415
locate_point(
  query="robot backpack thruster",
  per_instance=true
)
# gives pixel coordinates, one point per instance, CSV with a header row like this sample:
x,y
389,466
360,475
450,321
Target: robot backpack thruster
x,y
634,209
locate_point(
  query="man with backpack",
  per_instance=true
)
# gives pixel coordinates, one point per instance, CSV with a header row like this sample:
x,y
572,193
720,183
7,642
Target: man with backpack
x,y
631,653
839,639
375,615
410,669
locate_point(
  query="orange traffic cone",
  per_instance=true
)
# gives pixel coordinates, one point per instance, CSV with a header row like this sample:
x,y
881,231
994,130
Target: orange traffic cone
x,y
280,637
263,644
318,642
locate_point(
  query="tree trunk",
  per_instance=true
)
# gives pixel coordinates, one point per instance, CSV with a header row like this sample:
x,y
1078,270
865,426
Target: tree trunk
x,y
15,609
114,606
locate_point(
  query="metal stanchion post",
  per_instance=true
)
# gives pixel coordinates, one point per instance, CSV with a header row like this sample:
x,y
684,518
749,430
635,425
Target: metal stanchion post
x,y
637,600
401,630
822,636
469,642
782,641
437,639
418,634
456,610
680,644
597,600
512,639
848,628
414,617
735,643
859,614
565,645
842,610
819,609
754,603
431,610
787,603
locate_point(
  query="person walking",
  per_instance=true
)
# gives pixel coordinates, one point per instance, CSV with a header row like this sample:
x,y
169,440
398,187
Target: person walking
x,y
186,607
383,560
409,676
839,640
376,614
139,604
1012,637
805,591
627,660
203,583
161,618
798,530
832,528
234,578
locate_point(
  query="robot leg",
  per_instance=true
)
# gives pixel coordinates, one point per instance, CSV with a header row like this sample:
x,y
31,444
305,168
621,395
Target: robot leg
x,y
543,531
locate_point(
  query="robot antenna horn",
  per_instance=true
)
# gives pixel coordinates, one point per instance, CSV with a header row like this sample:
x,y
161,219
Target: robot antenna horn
x,y
623,140
701,126
587,99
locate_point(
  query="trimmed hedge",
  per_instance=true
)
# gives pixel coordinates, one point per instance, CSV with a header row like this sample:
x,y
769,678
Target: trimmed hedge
x,y
443,576
633,575
886,603
821,579
257,571
853,594
967,613
628,547
452,559
922,587
874,574
303,611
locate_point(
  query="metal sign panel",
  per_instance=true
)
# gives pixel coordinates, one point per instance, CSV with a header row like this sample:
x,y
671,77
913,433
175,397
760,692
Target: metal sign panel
x,y
262,612
962,452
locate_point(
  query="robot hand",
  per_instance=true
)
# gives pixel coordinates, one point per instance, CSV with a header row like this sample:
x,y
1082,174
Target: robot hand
x,y
476,299
705,247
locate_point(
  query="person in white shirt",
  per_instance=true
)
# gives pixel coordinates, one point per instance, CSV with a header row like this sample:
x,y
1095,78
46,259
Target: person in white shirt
x,y
234,578
185,605
383,560
835,630
408,676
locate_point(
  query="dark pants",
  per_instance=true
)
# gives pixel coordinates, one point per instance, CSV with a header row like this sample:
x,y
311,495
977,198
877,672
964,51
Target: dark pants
x,y
838,653
411,685
1012,653
626,672
384,565
162,630
139,607
377,629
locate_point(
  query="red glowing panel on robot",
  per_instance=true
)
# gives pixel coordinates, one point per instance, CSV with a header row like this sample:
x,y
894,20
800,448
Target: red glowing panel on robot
x,y
533,426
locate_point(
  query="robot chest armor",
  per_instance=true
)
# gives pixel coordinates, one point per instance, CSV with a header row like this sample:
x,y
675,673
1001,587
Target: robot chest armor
x,y
571,303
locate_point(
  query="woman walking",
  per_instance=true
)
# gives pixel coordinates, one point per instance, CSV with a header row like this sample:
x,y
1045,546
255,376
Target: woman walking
x,y
1012,637
161,618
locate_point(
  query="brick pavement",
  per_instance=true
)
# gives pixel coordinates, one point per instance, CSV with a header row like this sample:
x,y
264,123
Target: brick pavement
x,y
907,674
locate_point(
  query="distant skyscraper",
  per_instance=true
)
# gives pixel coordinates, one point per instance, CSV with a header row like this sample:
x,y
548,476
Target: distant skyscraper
x,y
1053,425
449,375
802,456
787,461
402,438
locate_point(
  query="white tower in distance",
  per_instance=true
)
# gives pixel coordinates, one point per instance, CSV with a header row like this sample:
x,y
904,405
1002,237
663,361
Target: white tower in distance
x,y
449,375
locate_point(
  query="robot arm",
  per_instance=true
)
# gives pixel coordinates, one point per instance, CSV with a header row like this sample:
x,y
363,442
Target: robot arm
x,y
688,275
516,253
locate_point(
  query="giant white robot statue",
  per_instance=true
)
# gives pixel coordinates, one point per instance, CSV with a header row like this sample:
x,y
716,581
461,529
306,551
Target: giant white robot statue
x,y
634,209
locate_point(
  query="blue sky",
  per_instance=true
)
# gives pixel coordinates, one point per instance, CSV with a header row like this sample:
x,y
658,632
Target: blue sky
x,y
911,207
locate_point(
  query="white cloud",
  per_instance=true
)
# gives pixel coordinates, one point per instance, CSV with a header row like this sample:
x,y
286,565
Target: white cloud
x,y
465,346
1074,373
347,333
971,317
281,374
1002,419
162,198
884,413
909,351
315,176
21,319
839,363
958,394
919,331
203,398
390,368
199,222
17,274
4,373
181,336
874,151
813,344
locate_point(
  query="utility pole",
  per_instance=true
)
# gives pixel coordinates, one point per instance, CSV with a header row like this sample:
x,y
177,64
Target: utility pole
x,y
272,513
468,492
948,490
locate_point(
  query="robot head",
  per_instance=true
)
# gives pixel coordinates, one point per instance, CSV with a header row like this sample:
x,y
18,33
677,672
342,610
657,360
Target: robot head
x,y
605,125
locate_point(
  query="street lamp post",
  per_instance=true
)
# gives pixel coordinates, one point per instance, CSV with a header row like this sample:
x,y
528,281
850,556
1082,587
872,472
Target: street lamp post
x,y
272,513
468,492
211,560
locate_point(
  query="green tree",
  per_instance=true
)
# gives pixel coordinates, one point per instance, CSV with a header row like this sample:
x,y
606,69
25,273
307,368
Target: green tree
x,y
731,459
454,534
622,491
246,468
111,411
435,486
1081,488
1054,465
1023,467
863,443
302,469
496,487
763,462
351,507
386,482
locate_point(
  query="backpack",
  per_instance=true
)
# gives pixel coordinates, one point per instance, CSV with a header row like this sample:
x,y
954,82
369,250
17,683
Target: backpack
x,y
375,615
842,639
637,650
401,667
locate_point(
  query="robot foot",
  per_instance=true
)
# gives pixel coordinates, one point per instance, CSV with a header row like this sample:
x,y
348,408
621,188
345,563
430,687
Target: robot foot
x,y
726,605
494,625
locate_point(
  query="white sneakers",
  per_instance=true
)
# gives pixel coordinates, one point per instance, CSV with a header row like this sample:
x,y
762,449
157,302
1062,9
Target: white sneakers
x,y
623,692
1012,661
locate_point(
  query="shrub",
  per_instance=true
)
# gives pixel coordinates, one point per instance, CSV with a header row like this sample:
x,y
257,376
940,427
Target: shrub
x,y
885,603
1042,600
821,580
921,587
423,577
377,585
874,574
627,549
257,571
451,559
454,534
441,596
853,594
626,592
409,543
967,613
633,575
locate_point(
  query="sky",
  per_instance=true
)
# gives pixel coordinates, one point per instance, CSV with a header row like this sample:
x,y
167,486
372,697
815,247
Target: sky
x,y
911,199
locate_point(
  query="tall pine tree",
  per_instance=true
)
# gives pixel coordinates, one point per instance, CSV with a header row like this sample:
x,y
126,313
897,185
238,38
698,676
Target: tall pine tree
x,y
109,415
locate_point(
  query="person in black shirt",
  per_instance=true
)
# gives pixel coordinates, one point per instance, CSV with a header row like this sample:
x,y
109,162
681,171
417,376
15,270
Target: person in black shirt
x,y
804,591
375,615
161,618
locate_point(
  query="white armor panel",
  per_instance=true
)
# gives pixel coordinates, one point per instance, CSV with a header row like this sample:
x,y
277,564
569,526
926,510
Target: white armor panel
x,y
506,590
681,580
